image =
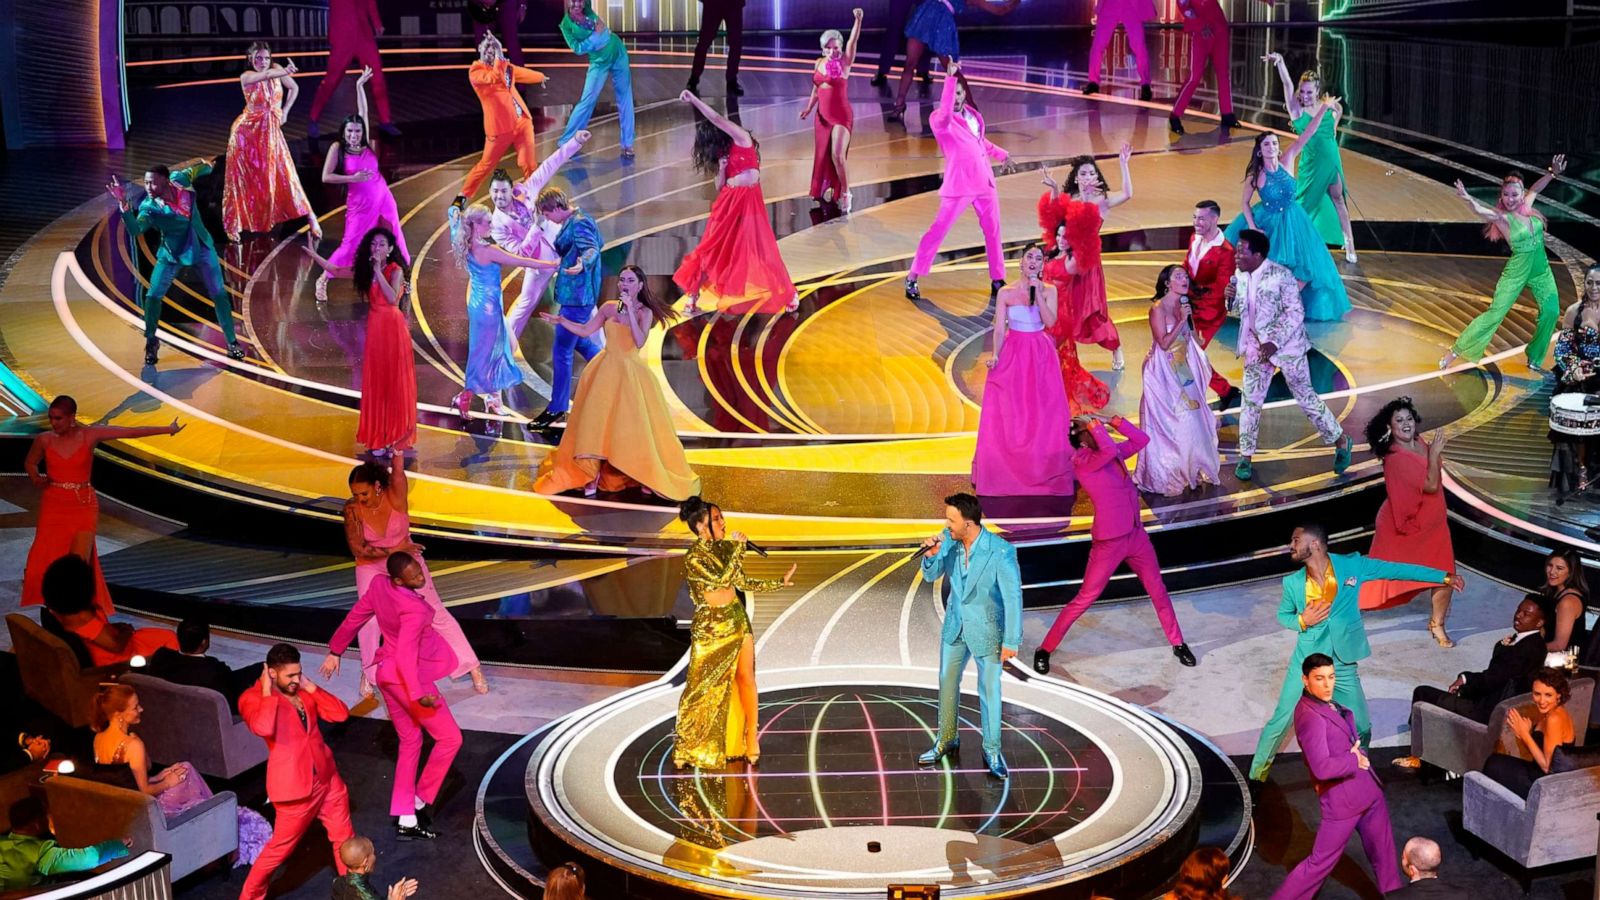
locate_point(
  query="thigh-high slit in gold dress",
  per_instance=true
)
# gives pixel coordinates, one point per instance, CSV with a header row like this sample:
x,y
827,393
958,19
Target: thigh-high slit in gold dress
x,y
711,719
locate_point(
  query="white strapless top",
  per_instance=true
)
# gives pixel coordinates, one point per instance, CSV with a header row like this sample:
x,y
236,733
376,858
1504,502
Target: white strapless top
x,y
1024,318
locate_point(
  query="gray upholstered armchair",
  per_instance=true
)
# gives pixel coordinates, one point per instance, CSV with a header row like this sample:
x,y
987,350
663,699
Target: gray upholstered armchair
x,y
1458,744
1555,824
51,674
197,725
87,812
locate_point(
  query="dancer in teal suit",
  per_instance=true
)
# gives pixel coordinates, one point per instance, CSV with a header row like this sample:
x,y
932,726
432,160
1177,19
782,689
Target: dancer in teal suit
x,y
1330,625
982,620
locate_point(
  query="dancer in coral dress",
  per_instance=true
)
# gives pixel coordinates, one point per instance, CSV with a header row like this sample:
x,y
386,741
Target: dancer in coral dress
x,y
1082,209
261,189
620,430
69,510
1024,428
354,161
388,369
1182,453
830,97
736,268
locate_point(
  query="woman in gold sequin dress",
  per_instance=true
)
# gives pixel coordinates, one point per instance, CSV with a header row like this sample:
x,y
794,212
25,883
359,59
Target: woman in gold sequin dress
x,y
717,716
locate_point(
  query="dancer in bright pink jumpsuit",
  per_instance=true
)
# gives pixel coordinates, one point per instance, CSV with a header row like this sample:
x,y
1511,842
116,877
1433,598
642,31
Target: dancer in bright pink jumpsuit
x,y
1206,26
1131,15
1100,464
353,29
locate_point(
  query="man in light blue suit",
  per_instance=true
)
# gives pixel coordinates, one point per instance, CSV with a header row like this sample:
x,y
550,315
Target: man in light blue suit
x,y
1322,605
983,619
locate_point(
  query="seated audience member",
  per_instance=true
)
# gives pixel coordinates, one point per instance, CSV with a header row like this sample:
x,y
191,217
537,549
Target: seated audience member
x,y
566,882
1419,862
190,665
1541,732
1563,597
359,860
69,590
1203,876
120,759
29,749
28,854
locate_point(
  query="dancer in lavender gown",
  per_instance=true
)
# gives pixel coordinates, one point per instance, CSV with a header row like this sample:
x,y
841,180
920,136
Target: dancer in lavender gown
x,y
1024,428
1183,433
370,203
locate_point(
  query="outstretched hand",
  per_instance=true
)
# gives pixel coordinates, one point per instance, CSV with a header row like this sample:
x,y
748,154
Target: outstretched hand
x,y
1559,164
176,426
1275,59
330,666
1125,154
1461,190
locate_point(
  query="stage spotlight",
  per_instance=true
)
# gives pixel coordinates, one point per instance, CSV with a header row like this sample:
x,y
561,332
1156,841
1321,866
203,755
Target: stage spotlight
x,y
913,892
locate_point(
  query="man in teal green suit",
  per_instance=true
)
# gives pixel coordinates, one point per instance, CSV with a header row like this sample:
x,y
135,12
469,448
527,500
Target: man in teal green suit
x,y
169,207
1331,625
982,620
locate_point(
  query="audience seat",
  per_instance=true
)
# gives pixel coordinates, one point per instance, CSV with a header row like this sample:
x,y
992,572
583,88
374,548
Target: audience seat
x,y
195,724
16,786
51,674
1457,744
87,812
1557,822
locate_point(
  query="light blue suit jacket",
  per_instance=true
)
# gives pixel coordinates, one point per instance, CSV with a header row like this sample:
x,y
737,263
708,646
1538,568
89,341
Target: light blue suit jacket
x,y
984,608
1342,635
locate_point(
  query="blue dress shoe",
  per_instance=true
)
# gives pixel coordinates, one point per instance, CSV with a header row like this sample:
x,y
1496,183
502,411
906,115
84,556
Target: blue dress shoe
x,y
940,750
997,765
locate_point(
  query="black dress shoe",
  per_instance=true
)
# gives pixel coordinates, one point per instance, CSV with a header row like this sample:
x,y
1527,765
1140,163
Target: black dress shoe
x,y
939,751
235,352
1176,124
460,202
994,288
1184,654
151,345
1145,93
734,90
1091,87
879,80
1230,121
543,420
911,290
1232,398
414,833
693,86
1041,661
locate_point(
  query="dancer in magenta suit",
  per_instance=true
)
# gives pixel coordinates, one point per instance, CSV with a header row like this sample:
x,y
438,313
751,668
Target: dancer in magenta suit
x,y
1206,27
411,658
353,29
1348,789
968,181
1131,15
1100,464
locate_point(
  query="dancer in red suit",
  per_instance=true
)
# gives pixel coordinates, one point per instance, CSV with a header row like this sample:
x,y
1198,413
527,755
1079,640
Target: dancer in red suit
x,y
411,658
1100,464
302,781
1210,267
353,29
1206,26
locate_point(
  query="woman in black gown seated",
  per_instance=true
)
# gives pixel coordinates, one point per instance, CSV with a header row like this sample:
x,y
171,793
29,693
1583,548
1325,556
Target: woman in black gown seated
x,y
1545,728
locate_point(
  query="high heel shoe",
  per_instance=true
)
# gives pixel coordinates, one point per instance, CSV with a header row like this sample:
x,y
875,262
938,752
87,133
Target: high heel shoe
x,y
1349,253
1118,362
752,750
1439,634
844,203
463,405
479,683
1446,360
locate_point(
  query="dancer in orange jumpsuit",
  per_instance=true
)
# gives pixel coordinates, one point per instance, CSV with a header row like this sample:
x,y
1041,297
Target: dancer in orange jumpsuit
x,y
507,123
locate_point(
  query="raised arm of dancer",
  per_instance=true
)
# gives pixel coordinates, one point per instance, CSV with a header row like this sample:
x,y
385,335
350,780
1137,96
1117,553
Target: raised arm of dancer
x,y
361,107
1557,166
583,329
272,71
1486,213
98,433
1126,194
399,484
1324,116
1291,98
855,37
723,123
947,93
1244,201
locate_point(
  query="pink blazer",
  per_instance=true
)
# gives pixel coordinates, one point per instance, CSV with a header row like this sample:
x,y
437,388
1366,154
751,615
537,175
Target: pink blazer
x,y
1104,474
1120,10
412,654
968,157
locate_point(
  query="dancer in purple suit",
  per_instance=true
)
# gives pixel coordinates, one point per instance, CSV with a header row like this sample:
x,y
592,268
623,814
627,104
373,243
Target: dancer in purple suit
x,y
1347,789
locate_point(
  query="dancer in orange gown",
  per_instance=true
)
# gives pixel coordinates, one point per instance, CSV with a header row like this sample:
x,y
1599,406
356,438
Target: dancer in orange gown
x,y
1085,393
830,97
388,370
1081,209
262,189
69,511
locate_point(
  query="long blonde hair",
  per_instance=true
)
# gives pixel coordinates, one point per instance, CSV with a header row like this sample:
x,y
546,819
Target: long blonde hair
x,y
462,228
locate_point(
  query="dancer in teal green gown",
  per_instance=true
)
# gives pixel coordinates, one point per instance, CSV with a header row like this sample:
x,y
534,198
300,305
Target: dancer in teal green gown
x,y
1320,186
1514,220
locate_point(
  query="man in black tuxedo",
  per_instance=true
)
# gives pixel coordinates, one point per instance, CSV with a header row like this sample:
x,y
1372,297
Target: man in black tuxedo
x,y
27,749
714,13
1420,862
190,665
1510,672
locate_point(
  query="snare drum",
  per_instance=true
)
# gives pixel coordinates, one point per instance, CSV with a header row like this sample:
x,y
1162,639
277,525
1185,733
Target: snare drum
x,y
1569,415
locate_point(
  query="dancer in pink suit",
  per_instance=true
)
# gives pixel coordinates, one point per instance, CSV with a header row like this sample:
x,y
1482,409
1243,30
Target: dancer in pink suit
x,y
376,525
1118,536
517,227
1131,15
353,29
411,658
968,181
1206,26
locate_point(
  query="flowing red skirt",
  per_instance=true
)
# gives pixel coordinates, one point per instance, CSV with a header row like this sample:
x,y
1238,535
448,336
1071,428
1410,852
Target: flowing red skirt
x,y
388,382
737,266
63,514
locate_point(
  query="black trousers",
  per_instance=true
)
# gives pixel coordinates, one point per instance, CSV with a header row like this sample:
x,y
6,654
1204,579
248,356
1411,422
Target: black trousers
x,y
1455,703
713,13
893,42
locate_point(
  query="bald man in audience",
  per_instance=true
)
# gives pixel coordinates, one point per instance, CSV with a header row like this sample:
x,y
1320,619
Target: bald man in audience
x,y
1419,862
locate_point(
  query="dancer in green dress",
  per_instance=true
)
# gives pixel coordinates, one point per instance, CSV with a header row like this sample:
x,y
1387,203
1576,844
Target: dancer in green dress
x,y
1514,220
1320,187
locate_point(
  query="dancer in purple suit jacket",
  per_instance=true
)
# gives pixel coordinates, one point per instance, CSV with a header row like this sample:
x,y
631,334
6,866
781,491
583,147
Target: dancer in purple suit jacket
x,y
1348,790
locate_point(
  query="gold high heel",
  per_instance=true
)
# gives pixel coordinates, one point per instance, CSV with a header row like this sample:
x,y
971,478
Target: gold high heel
x,y
1439,634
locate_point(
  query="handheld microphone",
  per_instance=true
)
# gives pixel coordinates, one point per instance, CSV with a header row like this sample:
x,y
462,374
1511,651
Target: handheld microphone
x,y
755,548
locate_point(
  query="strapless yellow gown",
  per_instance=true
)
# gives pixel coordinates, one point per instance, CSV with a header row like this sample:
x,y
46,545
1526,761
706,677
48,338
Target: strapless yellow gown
x,y
620,427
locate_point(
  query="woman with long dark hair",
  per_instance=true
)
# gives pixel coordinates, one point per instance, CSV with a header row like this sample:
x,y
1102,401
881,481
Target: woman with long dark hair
x,y
1541,730
1203,876
620,430
353,161
1294,240
1563,598
1182,452
1411,525
1515,221
1079,207
717,715
261,188
388,369
736,268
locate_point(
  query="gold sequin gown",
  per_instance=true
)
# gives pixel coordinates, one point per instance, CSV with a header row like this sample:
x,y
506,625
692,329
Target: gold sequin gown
x,y
711,720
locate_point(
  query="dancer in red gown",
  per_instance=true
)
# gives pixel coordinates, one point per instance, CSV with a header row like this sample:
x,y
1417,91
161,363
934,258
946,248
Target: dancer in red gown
x,y
1082,210
69,510
261,189
830,97
1085,393
388,370
736,268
